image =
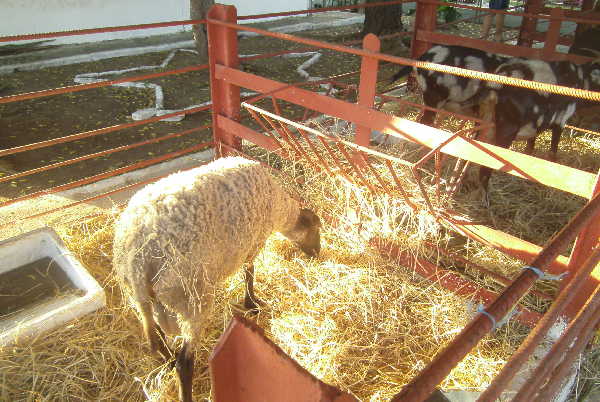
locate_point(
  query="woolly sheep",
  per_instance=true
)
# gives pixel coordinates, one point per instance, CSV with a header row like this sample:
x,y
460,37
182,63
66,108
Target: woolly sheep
x,y
180,237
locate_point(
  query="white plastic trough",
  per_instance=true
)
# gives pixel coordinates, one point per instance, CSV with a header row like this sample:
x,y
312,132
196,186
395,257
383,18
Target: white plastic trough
x,y
32,246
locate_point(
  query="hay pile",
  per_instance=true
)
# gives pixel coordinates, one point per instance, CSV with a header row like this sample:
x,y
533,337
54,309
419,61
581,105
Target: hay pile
x,y
350,317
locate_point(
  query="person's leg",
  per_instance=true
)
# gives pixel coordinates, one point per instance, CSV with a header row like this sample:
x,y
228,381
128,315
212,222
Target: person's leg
x,y
499,27
487,24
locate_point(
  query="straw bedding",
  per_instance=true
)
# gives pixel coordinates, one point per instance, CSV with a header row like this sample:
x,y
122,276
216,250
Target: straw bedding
x,y
351,317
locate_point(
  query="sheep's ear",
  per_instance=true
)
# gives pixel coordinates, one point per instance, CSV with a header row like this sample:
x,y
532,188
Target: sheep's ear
x,y
308,218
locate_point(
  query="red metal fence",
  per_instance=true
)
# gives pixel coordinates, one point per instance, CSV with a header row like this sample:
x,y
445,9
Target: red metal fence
x,y
228,131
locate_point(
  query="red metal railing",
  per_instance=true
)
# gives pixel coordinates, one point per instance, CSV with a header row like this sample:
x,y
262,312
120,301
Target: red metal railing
x,y
226,82
280,138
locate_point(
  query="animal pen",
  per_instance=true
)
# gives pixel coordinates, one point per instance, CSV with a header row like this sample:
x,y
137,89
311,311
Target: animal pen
x,y
318,135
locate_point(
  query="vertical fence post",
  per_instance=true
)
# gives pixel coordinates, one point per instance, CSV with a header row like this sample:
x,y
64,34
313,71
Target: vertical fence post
x,y
367,86
553,33
425,20
529,25
223,49
587,240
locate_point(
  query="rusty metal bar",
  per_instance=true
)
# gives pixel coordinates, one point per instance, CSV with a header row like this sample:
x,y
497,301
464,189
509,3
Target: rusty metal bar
x,y
335,159
518,82
105,83
313,147
557,353
90,199
101,153
373,171
283,136
446,278
586,241
585,335
500,278
355,167
105,175
91,133
399,185
435,372
537,335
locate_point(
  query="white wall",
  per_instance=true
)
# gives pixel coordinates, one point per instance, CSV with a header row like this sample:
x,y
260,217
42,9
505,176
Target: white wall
x,y
37,16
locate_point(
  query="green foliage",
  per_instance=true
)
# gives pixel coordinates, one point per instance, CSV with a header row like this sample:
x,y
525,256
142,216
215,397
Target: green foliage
x,y
445,13
448,13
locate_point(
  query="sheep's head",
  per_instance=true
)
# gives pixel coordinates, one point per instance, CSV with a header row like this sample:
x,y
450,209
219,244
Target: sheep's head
x,y
305,233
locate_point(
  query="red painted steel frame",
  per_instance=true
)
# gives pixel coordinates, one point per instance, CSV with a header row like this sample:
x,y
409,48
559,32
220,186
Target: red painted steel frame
x,y
424,35
586,242
223,49
367,86
247,366
438,369
567,294
424,384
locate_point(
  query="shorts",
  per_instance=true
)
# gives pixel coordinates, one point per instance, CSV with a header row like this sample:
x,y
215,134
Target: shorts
x,y
498,4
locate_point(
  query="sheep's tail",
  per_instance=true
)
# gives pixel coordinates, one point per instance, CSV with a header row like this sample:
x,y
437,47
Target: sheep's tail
x,y
404,71
145,298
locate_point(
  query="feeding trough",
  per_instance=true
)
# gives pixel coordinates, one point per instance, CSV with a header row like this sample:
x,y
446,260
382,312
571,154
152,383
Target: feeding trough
x,y
42,286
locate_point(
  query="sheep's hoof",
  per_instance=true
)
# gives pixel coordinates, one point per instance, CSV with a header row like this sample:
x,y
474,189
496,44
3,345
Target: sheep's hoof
x,y
253,305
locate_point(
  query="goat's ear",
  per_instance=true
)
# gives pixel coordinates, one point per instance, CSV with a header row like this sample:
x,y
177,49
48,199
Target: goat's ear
x,y
308,218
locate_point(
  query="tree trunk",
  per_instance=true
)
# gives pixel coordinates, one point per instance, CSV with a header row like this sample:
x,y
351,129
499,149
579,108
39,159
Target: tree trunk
x,y
198,10
383,19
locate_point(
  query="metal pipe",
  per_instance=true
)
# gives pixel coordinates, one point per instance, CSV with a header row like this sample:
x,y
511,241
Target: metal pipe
x,y
585,335
102,153
536,336
422,386
518,82
92,133
105,175
81,87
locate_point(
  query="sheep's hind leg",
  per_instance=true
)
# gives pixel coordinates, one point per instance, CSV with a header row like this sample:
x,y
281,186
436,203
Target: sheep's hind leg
x,y
185,372
251,303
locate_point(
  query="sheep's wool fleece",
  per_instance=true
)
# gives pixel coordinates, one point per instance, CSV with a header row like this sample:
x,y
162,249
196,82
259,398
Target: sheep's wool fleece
x,y
191,230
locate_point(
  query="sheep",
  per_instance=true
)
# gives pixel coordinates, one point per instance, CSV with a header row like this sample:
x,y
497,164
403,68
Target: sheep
x,y
182,236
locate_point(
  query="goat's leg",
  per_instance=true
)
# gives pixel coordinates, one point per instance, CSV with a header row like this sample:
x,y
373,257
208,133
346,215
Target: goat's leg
x,y
556,133
428,117
484,183
185,372
530,146
251,302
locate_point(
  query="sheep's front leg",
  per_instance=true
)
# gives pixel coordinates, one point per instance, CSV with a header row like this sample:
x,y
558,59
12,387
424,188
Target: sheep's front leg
x,y
251,302
185,372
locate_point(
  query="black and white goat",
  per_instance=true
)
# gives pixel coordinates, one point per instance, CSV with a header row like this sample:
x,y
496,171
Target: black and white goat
x,y
518,113
522,114
451,92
